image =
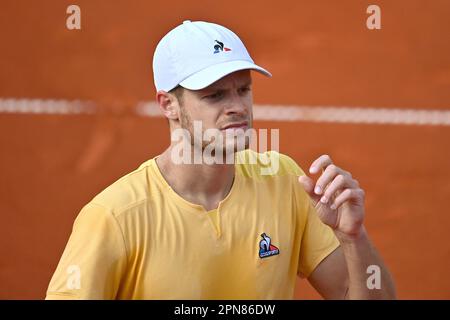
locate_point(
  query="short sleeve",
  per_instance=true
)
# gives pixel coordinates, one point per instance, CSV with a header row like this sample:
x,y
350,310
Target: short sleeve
x,y
317,242
94,259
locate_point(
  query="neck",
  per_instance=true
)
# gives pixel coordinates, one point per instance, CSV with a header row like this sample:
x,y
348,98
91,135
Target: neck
x,y
201,184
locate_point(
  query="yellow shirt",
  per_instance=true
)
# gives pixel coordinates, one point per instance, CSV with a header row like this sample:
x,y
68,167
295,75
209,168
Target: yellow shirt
x,y
138,239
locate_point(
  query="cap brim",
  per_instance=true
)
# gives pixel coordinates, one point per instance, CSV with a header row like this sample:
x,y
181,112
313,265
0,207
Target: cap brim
x,y
208,76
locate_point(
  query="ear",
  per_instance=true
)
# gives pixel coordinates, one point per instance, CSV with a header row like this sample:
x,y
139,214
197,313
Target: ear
x,y
168,104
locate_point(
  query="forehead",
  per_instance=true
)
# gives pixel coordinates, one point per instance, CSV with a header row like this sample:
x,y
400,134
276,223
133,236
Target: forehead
x,y
235,79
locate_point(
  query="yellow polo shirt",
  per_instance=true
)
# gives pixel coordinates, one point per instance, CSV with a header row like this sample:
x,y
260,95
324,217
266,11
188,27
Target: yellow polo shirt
x,y
138,239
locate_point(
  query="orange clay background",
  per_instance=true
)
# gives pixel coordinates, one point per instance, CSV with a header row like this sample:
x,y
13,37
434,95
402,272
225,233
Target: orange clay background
x,y
320,53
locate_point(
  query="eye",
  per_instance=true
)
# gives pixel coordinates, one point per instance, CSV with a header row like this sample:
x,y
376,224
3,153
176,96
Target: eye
x,y
244,90
215,96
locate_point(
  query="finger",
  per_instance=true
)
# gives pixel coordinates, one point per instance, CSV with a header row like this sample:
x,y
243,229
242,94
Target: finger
x,y
338,183
308,185
326,177
341,181
322,162
346,195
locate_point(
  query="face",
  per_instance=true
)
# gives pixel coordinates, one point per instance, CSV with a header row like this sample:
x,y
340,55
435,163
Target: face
x,y
225,106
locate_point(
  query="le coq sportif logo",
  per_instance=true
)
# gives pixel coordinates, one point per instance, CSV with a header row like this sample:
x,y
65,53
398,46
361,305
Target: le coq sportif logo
x,y
266,248
219,47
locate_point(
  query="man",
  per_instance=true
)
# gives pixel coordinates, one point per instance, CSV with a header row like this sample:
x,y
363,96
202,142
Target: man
x,y
183,230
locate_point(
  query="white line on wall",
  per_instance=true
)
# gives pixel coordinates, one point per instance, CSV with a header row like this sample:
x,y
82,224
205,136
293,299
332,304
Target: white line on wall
x,y
331,114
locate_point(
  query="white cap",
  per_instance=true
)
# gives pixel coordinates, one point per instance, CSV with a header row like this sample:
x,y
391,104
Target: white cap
x,y
197,54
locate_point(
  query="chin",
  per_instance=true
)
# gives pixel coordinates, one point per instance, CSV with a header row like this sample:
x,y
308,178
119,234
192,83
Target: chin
x,y
237,145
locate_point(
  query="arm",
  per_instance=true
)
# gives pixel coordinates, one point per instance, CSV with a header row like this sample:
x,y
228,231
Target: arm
x,y
343,274
339,203
94,259
359,254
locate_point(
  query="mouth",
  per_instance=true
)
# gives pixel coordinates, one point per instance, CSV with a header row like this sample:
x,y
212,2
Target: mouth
x,y
234,126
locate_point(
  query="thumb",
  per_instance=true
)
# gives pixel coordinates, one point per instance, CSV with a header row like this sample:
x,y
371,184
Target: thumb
x,y
308,185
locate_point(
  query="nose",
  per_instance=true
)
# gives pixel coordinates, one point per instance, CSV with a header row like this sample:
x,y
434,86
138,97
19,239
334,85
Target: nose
x,y
237,105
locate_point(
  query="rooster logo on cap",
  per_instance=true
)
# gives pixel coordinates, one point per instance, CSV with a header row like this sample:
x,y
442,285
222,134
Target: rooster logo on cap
x,y
220,47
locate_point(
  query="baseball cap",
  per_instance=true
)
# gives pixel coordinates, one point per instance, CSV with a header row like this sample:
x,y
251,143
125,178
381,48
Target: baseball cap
x,y
197,54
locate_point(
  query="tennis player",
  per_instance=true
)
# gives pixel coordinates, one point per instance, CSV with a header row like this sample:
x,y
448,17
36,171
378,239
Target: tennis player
x,y
199,230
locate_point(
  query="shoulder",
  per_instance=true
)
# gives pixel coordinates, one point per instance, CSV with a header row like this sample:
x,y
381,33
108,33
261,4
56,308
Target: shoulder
x,y
267,164
130,190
